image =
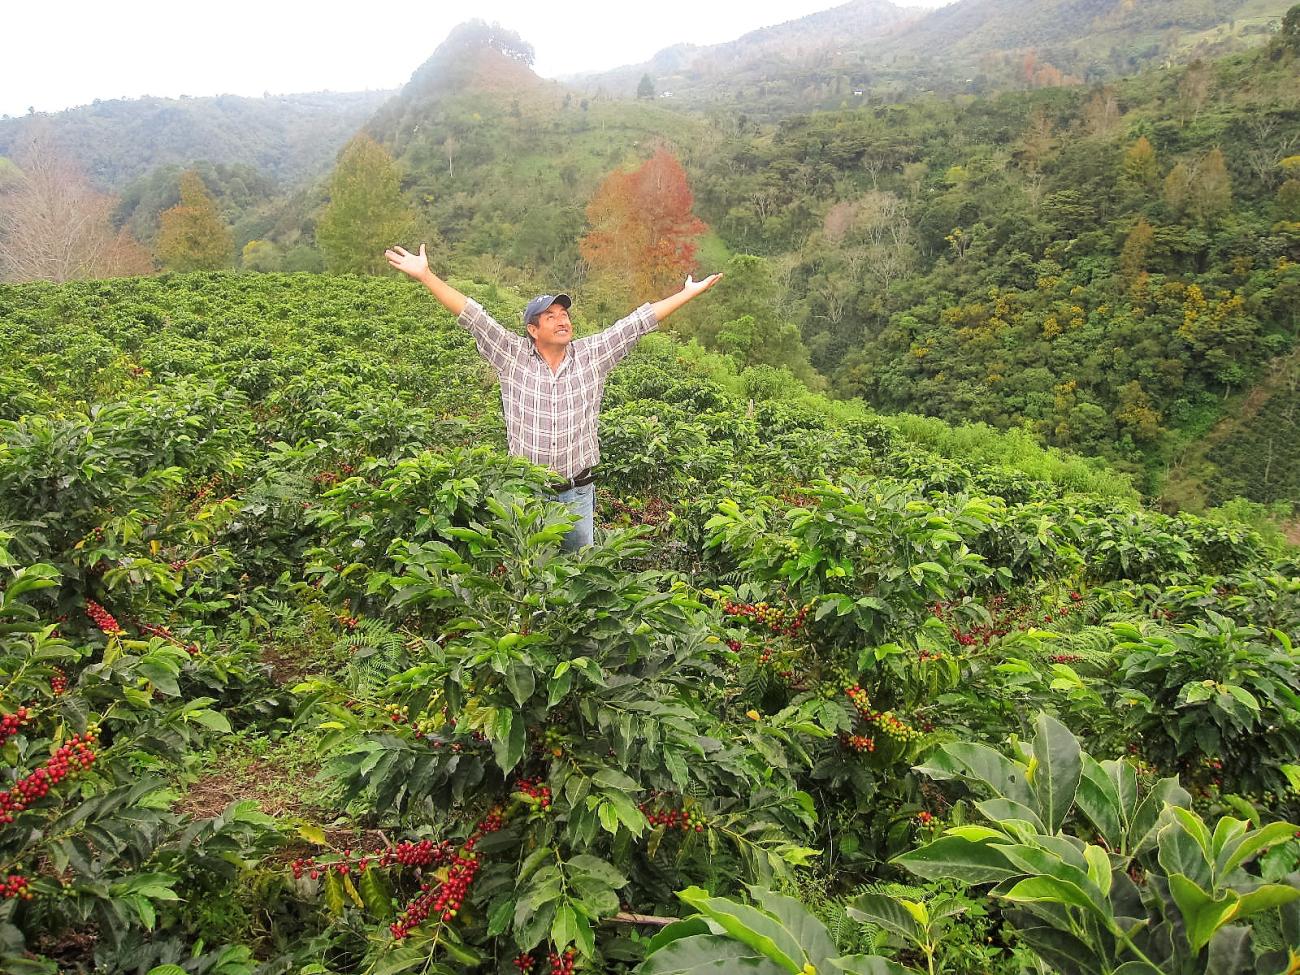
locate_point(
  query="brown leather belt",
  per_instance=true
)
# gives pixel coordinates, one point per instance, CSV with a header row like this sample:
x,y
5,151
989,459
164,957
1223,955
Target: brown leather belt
x,y
581,479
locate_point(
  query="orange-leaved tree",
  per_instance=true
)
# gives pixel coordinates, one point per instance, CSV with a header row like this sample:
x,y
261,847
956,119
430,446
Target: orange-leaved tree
x,y
642,227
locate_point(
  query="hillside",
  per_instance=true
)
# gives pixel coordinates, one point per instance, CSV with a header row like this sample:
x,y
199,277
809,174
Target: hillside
x,y
502,163
873,49
761,60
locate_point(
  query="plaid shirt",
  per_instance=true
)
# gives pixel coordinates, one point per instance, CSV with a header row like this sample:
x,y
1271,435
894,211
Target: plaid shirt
x,y
551,416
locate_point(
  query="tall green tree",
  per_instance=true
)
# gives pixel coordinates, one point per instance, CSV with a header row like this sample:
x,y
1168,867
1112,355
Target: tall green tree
x,y
366,212
192,236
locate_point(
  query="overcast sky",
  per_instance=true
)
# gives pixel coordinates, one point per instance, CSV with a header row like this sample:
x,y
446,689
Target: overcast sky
x,y
56,55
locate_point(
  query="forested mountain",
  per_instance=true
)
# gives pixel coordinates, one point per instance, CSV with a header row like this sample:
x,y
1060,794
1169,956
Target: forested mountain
x,y
874,49
285,138
763,67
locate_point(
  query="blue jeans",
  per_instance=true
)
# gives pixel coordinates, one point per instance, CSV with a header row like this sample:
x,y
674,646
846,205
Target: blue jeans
x,y
582,502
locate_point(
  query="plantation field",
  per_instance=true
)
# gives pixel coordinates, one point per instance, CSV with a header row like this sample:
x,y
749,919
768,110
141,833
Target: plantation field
x,y
294,676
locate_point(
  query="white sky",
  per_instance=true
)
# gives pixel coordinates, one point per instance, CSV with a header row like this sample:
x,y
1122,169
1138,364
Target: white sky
x,y
61,54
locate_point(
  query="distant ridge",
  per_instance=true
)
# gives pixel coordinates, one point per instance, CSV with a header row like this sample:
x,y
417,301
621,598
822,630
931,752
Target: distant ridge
x,y
116,141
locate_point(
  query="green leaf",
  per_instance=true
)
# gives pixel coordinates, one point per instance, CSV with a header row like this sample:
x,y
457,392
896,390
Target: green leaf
x,y
1250,844
313,834
868,965
211,719
1181,853
886,912
1098,799
608,818
807,930
334,894
750,926
1150,813
1001,810
376,894
586,865
960,859
1264,898
980,762
1064,952
1202,914
1058,771
564,929
678,929
148,916
613,779
509,737
707,954
1053,890
1231,952
350,889
520,681
628,814
499,917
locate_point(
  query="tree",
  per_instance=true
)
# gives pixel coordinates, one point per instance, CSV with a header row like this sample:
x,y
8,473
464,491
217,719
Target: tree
x,y
1137,246
191,235
750,320
1212,186
1288,37
1288,195
1101,114
1135,414
1039,139
642,227
1193,89
646,89
366,212
262,255
1140,165
54,226
1178,188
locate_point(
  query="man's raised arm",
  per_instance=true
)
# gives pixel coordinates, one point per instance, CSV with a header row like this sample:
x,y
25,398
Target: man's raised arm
x,y
495,344
611,345
417,266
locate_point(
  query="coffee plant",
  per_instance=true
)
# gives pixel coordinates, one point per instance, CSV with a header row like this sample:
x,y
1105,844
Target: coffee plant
x,y
295,675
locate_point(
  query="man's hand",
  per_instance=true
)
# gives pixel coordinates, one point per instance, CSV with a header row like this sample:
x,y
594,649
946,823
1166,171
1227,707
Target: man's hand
x,y
416,265
666,306
693,287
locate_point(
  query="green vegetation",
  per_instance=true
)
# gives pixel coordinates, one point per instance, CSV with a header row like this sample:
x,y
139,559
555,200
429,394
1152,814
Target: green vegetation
x,y
295,676
1109,266
298,679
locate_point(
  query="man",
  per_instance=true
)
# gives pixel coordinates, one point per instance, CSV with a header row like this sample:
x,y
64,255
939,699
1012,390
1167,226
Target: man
x,y
551,386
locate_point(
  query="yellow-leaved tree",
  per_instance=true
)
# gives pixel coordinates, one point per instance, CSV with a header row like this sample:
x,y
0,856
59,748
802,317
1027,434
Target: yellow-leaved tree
x,y
192,236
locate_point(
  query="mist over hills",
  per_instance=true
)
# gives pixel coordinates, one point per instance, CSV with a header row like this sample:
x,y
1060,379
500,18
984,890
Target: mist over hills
x,y
288,138
876,48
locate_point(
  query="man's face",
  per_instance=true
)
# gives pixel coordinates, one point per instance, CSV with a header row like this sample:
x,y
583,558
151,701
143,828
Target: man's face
x,y
552,326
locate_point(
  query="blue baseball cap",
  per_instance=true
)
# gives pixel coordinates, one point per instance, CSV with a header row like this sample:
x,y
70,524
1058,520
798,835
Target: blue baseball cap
x,y
543,302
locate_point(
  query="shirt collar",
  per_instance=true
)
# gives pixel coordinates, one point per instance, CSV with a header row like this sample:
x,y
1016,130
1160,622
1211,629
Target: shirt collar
x,y
532,351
